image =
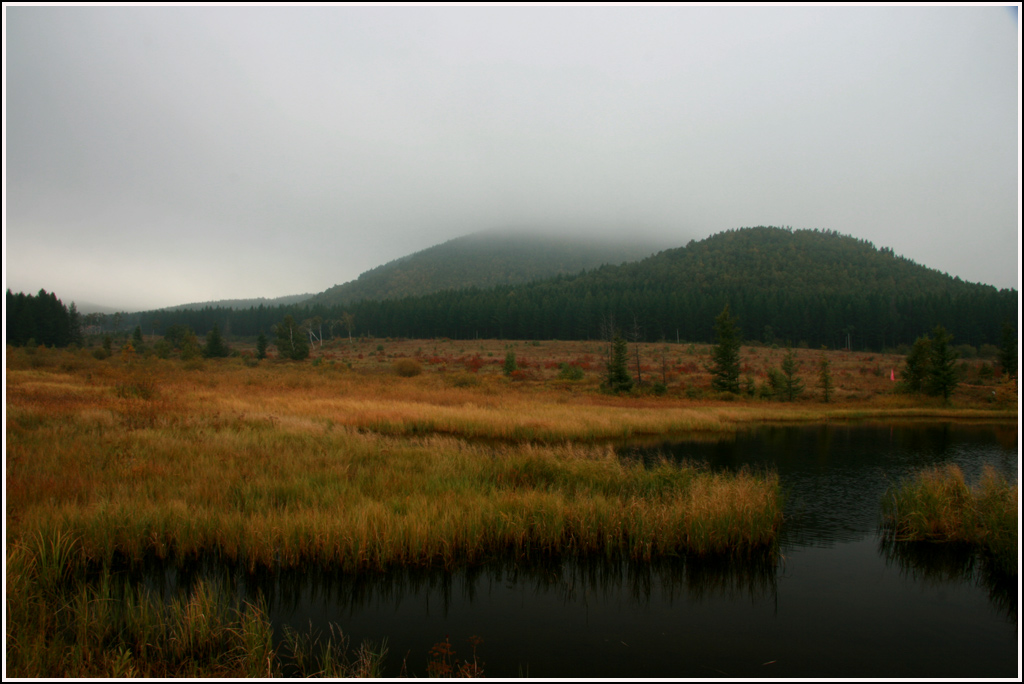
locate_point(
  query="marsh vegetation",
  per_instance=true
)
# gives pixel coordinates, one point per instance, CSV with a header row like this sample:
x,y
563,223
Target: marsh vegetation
x,y
354,462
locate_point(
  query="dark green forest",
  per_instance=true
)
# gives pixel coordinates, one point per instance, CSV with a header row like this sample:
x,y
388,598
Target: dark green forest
x,y
792,287
487,259
42,319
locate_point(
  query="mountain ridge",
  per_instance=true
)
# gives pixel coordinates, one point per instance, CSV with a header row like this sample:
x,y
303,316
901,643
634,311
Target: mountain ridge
x,y
802,287
486,259
811,286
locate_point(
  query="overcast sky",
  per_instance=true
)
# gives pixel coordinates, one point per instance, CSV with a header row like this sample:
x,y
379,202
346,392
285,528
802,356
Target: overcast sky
x,y
163,155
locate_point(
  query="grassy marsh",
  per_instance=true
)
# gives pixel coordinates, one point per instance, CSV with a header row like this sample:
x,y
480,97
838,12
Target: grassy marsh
x,y
938,505
347,464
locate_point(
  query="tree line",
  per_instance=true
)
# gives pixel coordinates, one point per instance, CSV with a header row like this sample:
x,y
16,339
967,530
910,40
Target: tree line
x,y
813,288
41,319
796,288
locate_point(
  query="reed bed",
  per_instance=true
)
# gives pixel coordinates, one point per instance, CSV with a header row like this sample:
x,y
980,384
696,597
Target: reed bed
x,y
268,496
939,506
105,628
157,458
287,470
285,463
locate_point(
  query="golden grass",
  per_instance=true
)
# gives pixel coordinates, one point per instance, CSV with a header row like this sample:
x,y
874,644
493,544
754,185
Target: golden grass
x,y
297,463
939,506
112,630
287,461
352,468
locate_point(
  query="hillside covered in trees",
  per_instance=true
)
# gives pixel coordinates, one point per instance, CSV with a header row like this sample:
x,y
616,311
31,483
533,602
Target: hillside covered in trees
x,y
244,303
41,319
486,259
805,286
802,287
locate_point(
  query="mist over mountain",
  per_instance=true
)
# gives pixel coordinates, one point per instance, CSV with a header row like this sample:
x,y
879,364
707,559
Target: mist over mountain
x,y
802,287
799,287
244,303
488,259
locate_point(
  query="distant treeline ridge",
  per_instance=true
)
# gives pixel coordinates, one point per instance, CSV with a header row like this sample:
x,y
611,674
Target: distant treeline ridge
x,y
804,287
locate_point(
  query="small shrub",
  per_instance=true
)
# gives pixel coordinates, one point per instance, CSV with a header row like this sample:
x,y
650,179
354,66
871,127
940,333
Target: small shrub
x,y
985,372
569,371
407,368
966,351
462,380
988,351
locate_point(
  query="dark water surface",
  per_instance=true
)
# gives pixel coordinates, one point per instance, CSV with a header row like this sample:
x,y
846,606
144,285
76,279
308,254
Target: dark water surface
x,y
837,602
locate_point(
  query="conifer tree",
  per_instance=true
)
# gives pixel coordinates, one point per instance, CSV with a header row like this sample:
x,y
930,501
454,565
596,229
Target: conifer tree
x,y
915,366
792,385
189,345
941,378
261,346
825,378
510,366
618,374
725,368
137,341
75,326
215,347
1008,350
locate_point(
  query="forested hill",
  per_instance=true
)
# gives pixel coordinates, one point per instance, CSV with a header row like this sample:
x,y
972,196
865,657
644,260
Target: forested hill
x,y
798,287
810,286
244,303
486,259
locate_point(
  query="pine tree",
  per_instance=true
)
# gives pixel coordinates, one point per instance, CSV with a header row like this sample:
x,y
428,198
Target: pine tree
x,y
189,345
137,341
825,378
941,378
725,369
215,347
510,365
792,385
75,326
261,346
1008,350
915,368
618,374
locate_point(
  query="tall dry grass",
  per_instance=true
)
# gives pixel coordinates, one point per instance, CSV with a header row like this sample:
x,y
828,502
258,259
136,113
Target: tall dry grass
x,y
292,464
939,506
109,629
295,463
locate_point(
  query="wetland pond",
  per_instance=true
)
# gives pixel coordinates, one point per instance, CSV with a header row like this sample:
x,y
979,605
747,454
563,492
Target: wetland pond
x,y
836,601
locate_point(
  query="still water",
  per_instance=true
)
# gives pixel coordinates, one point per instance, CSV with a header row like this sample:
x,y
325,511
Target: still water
x,y
836,602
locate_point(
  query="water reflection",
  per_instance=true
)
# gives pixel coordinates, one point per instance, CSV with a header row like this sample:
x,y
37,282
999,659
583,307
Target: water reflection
x,y
835,475
570,580
834,600
938,565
